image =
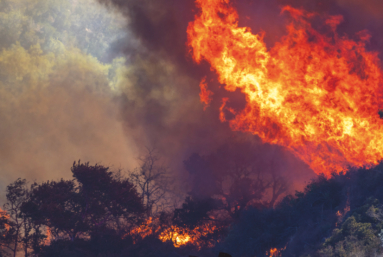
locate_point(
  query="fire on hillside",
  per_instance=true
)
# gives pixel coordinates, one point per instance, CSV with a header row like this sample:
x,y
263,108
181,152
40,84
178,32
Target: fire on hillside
x,y
179,236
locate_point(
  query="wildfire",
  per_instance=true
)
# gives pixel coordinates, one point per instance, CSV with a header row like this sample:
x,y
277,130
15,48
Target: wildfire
x,y
146,229
274,252
6,216
317,94
48,239
177,235
340,214
205,94
182,236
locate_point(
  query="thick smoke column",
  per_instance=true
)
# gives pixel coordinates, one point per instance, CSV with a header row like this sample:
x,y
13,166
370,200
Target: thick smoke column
x,y
165,93
161,105
74,115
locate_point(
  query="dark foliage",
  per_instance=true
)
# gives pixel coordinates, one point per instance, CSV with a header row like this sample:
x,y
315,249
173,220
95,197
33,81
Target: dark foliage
x,y
153,247
93,214
106,244
94,200
193,212
65,248
236,177
18,231
340,216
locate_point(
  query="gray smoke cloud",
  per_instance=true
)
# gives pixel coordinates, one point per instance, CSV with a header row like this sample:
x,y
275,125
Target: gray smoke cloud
x,y
44,129
161,107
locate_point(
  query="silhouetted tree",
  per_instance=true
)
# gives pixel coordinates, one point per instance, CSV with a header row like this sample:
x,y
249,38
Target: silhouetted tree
x,y
96,199
6,234
237,177
300,222
20,231
154,182
193,212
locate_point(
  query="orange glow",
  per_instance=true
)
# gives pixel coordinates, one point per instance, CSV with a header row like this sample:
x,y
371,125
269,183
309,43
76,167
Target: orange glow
x,y
179,236
48,240
274,252
5,215
146,229
182,236
316,94
205,94
340,214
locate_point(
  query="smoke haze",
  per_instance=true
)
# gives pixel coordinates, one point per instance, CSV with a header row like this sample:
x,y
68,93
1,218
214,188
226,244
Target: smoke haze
x,y
57,105
178,125
161,108
74,113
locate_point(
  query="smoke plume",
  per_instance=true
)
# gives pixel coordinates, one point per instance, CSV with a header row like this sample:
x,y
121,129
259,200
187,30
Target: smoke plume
x,y
161,106
44,128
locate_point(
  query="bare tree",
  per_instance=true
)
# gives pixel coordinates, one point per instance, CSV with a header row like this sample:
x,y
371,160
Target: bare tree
x,y
154,182
278,184
245,184
237,176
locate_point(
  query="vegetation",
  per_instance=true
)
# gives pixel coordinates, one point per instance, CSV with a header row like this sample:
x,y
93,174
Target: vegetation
x,y
99,212
340,216
46,44
103,213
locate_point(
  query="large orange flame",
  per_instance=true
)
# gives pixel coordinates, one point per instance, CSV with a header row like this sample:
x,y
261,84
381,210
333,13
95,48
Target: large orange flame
x,y
317,94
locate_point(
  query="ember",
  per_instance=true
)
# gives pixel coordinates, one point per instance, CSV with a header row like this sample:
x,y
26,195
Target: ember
x,y
274,252
318,95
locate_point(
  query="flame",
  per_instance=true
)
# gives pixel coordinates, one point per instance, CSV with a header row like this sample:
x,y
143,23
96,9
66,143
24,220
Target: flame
x,y
316,94
5,215
340,214
148,228
274,252
177,235
182,236
205,94
48,239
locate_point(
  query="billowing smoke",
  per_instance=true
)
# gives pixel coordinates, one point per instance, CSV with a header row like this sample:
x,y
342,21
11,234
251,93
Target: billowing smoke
x,y
161,106
56,99
74,112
